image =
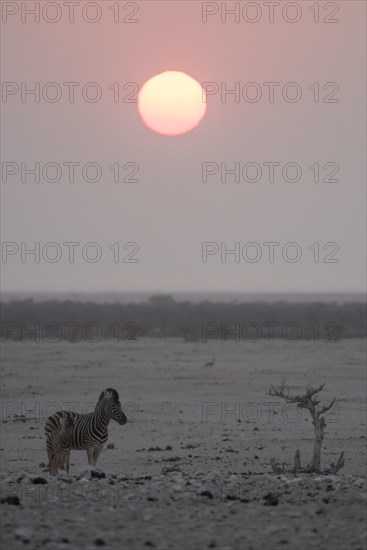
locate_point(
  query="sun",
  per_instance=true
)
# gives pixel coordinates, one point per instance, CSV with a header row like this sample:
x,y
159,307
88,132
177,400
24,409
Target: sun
x,y
172,103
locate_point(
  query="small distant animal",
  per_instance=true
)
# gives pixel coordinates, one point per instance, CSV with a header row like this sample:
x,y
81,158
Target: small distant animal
x,y
66,430
210,363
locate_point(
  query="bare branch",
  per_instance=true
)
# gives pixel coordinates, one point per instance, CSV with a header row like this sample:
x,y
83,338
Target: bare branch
x,y
326,408
311,391
334,468
304,400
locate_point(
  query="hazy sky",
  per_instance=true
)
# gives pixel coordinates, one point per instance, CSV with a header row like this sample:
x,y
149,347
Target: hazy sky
x,y
169,212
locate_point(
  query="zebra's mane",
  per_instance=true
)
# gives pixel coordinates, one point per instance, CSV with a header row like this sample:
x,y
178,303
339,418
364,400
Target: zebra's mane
x,y
113,394
66,418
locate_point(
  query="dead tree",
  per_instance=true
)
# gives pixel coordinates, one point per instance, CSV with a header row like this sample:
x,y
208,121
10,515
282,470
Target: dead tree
x,y
309,401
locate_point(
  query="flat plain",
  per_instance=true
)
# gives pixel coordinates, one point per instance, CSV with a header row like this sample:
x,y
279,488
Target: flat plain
x,y
191,468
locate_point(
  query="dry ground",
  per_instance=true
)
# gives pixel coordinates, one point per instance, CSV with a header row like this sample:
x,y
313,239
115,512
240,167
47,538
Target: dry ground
x,y
190,470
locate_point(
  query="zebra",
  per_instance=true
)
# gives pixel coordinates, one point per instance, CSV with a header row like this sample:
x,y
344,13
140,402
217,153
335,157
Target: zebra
x,y
89,431
60,444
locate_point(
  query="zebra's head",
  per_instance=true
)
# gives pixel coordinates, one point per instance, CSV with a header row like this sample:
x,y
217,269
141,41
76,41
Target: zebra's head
x,y
112,397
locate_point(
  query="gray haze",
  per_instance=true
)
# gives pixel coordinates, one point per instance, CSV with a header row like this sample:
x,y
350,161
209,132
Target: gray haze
x,y
170,211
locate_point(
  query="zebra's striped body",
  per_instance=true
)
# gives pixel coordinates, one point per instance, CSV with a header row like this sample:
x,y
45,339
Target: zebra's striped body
x,y
89,431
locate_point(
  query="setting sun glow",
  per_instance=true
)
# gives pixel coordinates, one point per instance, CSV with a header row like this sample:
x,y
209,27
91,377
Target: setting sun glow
x,y
172,103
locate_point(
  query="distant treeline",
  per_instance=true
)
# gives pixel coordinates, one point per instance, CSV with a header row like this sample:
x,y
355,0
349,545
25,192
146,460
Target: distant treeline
x,y
163,316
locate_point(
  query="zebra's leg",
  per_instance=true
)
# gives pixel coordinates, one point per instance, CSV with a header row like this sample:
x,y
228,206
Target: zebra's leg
x,y
53,465
61,460
97,452
49,455
90,451
67,460
49,449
